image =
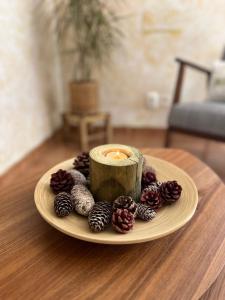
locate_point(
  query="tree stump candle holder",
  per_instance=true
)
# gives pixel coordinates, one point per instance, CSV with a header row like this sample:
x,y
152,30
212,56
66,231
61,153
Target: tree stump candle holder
x,y
115,170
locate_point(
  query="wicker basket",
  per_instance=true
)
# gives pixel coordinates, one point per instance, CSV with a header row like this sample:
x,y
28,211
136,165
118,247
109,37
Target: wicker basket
x,y
84,97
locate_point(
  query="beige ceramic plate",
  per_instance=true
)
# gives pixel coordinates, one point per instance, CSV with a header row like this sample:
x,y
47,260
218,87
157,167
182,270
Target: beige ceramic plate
x,y
167,220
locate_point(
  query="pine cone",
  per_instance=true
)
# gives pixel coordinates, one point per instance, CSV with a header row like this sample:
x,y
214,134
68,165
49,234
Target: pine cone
x,y
61,181
170,191
155,185
78,177
144,212
82,199
148,177
62,204
125,202
122,220
82,163
100,216
151,197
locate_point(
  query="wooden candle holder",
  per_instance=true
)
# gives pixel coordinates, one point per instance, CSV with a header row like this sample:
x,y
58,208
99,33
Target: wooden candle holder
x,y
113,177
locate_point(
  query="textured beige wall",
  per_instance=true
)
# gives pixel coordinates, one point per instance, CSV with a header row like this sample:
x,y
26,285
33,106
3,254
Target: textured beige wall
x,y
29,94
156,32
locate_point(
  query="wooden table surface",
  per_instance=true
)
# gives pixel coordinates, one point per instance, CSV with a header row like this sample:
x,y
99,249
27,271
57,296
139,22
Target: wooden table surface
x,y
38,262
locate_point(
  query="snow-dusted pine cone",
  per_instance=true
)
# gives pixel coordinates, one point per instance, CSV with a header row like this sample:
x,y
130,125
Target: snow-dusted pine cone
x,y
144,212
122,220
82,163
125,202
61,181
148,177
170,191
151,197
62,204
78,177
100,216
155,185
82,199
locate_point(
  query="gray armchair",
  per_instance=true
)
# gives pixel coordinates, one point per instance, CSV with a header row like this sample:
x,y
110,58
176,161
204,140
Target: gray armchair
x,y
205,119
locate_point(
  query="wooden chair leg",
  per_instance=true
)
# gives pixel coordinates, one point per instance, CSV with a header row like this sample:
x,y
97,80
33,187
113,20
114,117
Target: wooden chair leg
x,y
108,129
83,135
168,138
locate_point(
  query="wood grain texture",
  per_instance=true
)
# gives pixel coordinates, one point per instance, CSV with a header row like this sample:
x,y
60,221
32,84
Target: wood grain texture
x,y
217,290
110,178
38,262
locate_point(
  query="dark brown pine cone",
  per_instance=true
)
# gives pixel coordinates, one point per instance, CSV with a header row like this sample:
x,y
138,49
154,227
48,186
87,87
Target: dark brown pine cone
x,y
62,204
122,220
151,197
100,216
148,177
82,163
170,191
61,181
125,202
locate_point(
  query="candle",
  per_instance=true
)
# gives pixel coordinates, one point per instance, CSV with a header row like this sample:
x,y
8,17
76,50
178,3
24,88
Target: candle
x,y
115,170
116,155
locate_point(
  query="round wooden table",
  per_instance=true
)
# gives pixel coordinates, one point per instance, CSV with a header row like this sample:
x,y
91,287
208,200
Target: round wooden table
x,y
183,265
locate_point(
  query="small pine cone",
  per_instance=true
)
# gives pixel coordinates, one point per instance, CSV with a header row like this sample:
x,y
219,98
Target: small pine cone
x,y
78,177
82,199
100,216
125,202
62,204
145,213
122,220
151,197
155,185
82,163
61,181
170,191
148,177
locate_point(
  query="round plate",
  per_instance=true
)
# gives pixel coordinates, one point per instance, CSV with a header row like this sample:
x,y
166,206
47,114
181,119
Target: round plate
x,y
168,219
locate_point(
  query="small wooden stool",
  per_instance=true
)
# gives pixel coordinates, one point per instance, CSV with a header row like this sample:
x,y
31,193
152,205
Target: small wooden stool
x,y
87,131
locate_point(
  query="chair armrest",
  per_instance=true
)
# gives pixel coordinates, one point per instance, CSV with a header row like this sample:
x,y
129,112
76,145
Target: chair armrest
x,y
179,82
194,66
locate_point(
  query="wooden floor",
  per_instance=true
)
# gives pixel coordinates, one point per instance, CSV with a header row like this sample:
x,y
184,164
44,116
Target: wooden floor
x,y
29,170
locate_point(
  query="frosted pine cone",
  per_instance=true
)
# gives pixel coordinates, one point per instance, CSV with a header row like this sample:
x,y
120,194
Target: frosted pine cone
x,y
100,216
170,191
82,163
144,212
125,202
82,199
61,181
78,177
122,220
148,177
151,197
156,184
62,204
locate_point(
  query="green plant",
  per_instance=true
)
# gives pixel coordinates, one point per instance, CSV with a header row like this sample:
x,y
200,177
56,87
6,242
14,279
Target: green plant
x,y
94,30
